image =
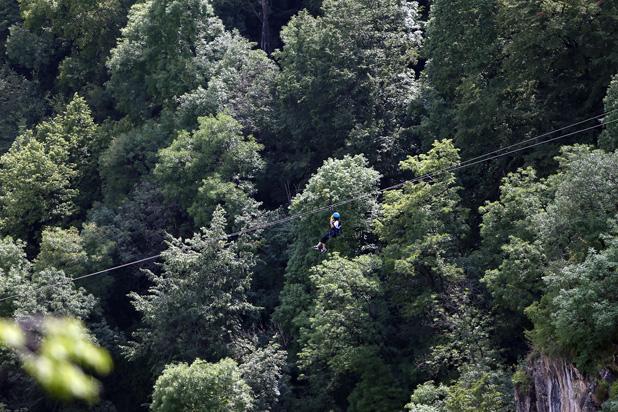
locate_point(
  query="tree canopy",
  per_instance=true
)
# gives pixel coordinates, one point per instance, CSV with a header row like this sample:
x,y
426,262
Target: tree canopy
x,y
168,167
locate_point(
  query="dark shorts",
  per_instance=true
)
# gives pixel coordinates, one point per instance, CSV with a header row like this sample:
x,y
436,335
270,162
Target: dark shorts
x,y
329,235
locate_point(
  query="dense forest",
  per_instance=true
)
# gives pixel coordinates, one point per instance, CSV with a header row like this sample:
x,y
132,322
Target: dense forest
x,y
215,138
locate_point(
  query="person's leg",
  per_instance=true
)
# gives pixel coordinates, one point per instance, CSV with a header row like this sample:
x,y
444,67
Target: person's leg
x,y
325,238
321,246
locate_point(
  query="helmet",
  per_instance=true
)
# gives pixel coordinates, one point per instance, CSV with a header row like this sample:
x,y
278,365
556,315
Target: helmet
x,y
336,216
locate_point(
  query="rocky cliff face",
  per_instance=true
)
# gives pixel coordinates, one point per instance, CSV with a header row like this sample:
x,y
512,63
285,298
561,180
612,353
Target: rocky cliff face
x,y
553,385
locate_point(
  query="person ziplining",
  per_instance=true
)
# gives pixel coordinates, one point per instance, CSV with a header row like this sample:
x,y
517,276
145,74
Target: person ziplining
x,y
333,231
335,222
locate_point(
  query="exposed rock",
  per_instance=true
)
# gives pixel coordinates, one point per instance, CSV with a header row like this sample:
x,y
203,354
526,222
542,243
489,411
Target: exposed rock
x,y
554,386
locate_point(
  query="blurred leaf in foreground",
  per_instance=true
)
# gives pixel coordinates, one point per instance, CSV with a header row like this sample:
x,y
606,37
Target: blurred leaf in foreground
x,y
63,348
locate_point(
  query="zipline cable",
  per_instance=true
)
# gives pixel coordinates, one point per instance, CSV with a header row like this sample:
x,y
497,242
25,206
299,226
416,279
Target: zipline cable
x,y
467,163
597,117
474,161
461,165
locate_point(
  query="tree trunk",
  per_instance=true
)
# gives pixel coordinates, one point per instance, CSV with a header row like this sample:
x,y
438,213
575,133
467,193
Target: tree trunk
x,y
265,36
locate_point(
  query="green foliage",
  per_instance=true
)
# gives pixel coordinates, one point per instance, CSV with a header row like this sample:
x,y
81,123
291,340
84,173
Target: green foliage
x,y
262,368
89,27
19,104
544,229
428,397
35,189
55,360
521,197
610,406
521,380
261,21
421,225
513,262
341,86
342,328
473,391
28,50
613,391
517,282
478,392
46,173
166,50
334,181
460,41
12,254
201,386
133,229
422,208
130,156
584,202
196,123
211,166
559,35
577,317
43,292
461,45
462,96
62,249
64,350
70,19
64,346
181,321
377,389
241,85
9,15
76,254
501,71
463,339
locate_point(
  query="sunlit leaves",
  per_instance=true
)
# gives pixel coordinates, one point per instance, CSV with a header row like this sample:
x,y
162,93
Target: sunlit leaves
x,y
212,165
584,202
62,249
428,397
342,88
242,85
63,351
165,51
555,256
474,391
42,175
202,387
521,196
336,180
516,282
263,369
421,223
35,189
11,335
578,315
341,325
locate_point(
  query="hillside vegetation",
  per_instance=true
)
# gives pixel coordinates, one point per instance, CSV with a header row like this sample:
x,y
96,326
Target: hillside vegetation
x,y
217,137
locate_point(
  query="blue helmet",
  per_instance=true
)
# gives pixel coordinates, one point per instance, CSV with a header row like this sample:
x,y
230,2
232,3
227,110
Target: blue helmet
x,y
336,216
